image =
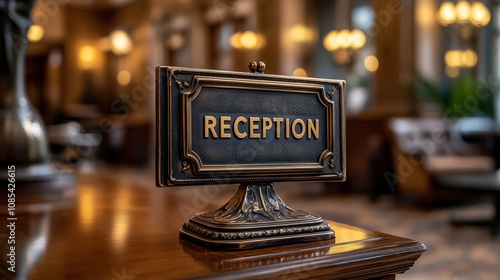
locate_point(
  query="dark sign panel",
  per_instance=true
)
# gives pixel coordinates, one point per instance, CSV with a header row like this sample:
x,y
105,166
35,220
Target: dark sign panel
x,y
232,127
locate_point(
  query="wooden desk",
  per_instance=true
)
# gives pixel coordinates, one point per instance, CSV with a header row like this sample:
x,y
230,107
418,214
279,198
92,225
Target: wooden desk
x,y
114,229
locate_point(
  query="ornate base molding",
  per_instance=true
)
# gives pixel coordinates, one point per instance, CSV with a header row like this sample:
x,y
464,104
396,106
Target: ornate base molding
x,y
255,217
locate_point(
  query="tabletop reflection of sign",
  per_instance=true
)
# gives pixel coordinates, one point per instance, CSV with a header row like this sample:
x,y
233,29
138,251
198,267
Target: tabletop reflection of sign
x,y
252,128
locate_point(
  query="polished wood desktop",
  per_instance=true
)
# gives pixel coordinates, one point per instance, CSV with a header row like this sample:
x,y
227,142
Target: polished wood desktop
x,y
112,228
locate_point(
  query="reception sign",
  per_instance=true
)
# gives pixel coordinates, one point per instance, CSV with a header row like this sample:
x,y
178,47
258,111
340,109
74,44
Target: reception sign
x,y
232,127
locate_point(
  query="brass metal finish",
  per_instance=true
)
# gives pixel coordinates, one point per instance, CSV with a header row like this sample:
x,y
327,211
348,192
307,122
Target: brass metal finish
x,y
186,156
257,67
216,126
199,83
254,217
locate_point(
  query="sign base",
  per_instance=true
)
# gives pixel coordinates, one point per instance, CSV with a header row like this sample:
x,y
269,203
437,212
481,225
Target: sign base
x,y
255,217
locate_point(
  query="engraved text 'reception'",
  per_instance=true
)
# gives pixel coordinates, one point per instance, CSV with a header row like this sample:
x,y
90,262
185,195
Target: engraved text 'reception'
x,y
241,127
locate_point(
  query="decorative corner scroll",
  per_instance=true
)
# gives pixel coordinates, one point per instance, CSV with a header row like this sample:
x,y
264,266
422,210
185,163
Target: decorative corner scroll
x,y
185,166
331,163
182,85
331,93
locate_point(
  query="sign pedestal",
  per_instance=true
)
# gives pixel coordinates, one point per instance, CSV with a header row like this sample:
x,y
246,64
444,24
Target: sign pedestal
x,y
227,127
254,217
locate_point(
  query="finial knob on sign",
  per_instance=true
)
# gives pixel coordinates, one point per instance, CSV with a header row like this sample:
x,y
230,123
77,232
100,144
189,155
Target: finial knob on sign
x,y
257,67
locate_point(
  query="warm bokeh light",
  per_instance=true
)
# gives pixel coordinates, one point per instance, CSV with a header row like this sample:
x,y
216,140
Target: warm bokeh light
x,y
35,33
247,40
344,39
462,10
300,33
425,14
446,14
458,58
371,63
479,15
120,226
86,57
121,43
469,58
87,53
464,13
452,58
235,40
451,72
341,56
300,72
330,41
358,39
176,41
123,77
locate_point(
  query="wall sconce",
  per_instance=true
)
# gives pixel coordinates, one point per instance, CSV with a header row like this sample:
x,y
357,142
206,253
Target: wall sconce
x,y
464,17
121,43
461,59
86,57
247,40
342,44
456,59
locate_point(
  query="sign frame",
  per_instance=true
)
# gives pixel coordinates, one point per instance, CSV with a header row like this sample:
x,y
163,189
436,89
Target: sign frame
x,y
180,87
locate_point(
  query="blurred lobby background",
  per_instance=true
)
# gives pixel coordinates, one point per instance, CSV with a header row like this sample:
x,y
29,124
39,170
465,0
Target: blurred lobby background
x,y
420,75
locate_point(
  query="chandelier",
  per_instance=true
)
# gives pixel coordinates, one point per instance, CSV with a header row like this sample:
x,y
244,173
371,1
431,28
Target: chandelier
x,y
464,17
342,44
464,13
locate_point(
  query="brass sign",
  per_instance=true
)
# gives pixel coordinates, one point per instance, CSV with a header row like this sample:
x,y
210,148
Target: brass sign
x,y
254,129
232,127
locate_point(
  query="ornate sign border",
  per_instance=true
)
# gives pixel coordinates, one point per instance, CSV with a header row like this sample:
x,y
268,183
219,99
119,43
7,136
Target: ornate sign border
x,y
330,94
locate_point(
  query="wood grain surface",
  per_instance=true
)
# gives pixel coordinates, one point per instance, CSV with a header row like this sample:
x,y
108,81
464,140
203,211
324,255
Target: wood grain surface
x,y
115,229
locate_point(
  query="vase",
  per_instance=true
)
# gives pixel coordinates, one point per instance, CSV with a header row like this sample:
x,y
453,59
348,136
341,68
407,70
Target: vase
x,y
23,140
